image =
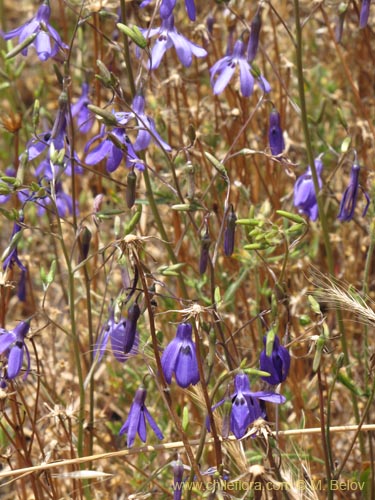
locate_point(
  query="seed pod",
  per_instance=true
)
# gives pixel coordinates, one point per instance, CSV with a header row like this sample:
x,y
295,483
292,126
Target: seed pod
x,y
131,189
205,245
131,327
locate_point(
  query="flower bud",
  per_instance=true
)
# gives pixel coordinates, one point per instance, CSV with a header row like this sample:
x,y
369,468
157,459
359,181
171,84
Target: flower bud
x,y
252,47
230,233
205,245
131,189
131,327
275,134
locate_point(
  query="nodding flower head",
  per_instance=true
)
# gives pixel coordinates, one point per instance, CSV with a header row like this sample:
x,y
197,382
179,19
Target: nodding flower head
x,y
180,358
304,191
12,344
40,33
350,196
246,407
277,364
136,421
275,134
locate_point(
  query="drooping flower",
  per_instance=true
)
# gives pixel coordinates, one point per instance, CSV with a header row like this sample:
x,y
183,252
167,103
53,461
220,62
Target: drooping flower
x,y
167,6
364,13
123,335
180,358
12,344
277,364
349,199
45,33
223,70
245,405
145,125
136,421
53,141
114,146
275,134
11,258
252,47
168,37
85,119
304,192
178,474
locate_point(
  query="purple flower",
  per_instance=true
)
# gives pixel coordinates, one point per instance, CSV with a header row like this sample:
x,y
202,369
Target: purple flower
x,y
349,199
136,421
245,405
40,26
167,37
364,14
85,119
12,259
113,148
146,125
229,233
224,69
180,358
12,344
252,47
277,364
178,474
123,335
304,192
167,6
275,134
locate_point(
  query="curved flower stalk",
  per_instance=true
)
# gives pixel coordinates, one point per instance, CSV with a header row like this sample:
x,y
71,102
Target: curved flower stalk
x,y
180,358
168,37
12,344
223,70
245,407
350,197
277,365
304,192
136,421
44,34
145,125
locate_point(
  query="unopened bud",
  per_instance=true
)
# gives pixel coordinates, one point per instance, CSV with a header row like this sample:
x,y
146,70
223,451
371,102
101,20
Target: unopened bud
x,y
205,245
131,189
252,47
230,233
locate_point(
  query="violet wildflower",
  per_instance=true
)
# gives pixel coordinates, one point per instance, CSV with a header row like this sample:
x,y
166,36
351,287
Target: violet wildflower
x,y
178,474
113,147
136,421
277,364
180,358
124,339
85,119
167,6
245,405
145,125
364,14
224,69
275,134
349,199
12,344
304,192
230,233
10,258
252,47
167,37
45,34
